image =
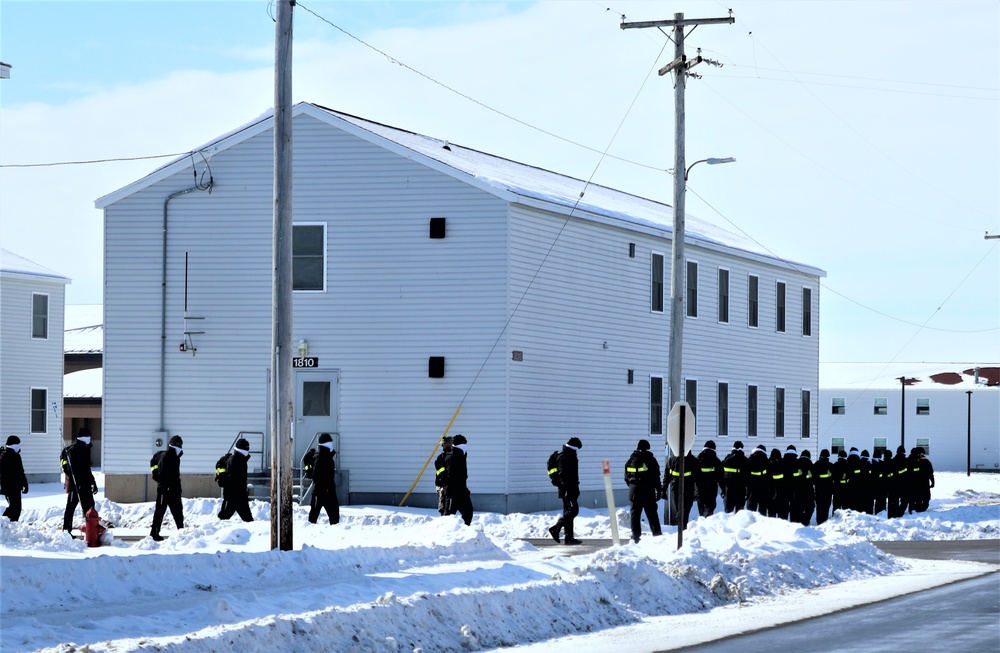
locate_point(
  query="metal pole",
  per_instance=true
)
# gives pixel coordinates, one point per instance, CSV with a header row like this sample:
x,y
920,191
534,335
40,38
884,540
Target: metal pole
x,y
968,443
682,513
281,305
902,412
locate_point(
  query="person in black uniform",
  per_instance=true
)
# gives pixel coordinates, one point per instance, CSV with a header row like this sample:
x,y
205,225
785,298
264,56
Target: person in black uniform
x,y
758,486
569,490
672,485
775,475
168,488
841,479
783,471
901,483
891,500
324,495
13,482
734,488
80,483
235,499
707,480
642,475
459,497
922,480
803,494
857,481
441,473
822,472
866,492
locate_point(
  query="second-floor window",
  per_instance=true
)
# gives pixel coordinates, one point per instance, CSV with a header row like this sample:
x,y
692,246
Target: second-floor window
x,y
723,295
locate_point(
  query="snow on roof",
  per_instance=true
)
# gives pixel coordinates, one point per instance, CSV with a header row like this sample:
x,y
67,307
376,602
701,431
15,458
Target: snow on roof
x,y
84,333
12,264
502,176
85,384
921,376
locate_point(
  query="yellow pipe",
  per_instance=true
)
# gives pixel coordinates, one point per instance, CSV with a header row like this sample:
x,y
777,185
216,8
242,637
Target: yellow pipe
x,y
424,468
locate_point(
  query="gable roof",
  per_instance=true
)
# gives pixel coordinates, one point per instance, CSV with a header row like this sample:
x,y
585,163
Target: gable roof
x,y
13,265
510,180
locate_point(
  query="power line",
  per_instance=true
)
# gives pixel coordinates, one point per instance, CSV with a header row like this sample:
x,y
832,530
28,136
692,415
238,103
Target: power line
x,y
77,163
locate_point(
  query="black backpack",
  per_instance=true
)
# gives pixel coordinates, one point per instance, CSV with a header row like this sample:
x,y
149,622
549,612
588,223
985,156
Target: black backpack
x,y
552,467
64,461
309,463
222,469
154,464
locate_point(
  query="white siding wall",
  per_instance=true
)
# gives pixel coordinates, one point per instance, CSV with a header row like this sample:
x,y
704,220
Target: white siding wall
x,y
394,298
947,425
28,363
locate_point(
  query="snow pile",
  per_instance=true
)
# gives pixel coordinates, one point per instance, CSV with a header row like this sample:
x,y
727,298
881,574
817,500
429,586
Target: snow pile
x,y
407,580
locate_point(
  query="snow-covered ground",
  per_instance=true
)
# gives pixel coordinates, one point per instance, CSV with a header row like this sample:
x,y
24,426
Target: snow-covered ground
x,y
397,579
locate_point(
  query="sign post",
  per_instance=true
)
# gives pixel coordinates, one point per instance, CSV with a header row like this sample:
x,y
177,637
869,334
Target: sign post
x,y
606,469
680,438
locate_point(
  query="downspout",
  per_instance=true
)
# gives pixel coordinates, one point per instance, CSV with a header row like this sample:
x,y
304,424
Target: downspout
x,y
163,309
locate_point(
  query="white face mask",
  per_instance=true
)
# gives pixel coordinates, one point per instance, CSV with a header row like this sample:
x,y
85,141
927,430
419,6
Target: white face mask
x,y
84,439
16,448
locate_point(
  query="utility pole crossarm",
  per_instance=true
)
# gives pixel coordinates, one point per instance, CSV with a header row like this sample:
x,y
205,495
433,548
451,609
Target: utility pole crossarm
x,y
683,22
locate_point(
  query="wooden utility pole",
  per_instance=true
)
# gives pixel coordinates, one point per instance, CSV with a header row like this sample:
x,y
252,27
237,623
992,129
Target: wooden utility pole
x,y
679,66
281,292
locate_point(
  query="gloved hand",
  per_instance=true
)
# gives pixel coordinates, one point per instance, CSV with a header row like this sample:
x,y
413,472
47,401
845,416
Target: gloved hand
x,y
658,493
932,484
93,486
25,490
562,493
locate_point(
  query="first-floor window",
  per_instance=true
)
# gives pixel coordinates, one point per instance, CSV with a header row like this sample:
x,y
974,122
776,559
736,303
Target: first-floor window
x,y
878,446
723,416
779,412
752,411
39,397
691,395
923,406
309,257
836,446
881,405
655,405
839,406
925,443
806,405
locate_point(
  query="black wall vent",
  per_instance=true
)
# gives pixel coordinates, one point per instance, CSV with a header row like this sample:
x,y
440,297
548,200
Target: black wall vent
x,y
435,367
437,228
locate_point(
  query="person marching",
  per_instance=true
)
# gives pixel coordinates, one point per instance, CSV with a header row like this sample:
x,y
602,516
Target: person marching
x,y
642,475
783,474
80,483
168,487
441,473
758,480
13,482
822,472
708,479
775,475
890,499
734,488
569,490
866,492
901,483
324,495
841,479
922,480
803,496
677,506
459,497
235,498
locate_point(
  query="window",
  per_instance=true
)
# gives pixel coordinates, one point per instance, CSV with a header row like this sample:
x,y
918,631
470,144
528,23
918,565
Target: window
x,y
839,406
752,411
39,316
807,311
806,410
779,412
692,289
879,446
779,311
881,406
723,416
316,399
923,406
655,405
752,301
39,397
723,295
691,395
657,284
836,446
925,444
309,257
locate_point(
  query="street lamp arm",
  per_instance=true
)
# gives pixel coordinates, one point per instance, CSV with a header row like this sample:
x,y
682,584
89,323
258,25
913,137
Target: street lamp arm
x,y
710,161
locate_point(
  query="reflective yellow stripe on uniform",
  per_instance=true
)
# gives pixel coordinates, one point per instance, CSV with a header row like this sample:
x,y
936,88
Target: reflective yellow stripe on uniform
x,y
826,475
222,470
707,469
777,477
757,473
633,469
441,470
676,473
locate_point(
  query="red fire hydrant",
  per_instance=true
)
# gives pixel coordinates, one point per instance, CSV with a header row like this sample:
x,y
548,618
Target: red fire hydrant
x,y
93,530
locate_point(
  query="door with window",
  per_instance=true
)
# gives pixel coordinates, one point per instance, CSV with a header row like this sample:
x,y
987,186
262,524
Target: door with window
x,y
317,395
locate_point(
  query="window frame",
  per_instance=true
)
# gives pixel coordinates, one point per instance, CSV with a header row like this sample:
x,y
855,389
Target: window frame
x,y
753,301
805,430
924,443
692,401
656,298
878,450
38,412
691,289
723,280
722,405
780,306
40,321
838,402
753,396
656,421
806,312
884,406
836,446
325,261
779,412
922,408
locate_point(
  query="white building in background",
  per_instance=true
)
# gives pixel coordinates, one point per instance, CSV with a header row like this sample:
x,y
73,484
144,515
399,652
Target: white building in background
x,y
433,281
32,299
954,414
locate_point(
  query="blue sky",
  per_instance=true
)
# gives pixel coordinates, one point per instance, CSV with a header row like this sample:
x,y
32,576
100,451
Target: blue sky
x,y
866,134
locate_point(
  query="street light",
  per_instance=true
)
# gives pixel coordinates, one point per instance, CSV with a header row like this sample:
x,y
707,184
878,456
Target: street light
x,y
712,161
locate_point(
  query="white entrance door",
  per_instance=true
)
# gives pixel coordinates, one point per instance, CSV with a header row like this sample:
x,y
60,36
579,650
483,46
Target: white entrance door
x,y
316,398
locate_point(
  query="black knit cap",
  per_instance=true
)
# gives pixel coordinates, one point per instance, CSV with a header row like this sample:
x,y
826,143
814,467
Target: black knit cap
x,y
176,441
460,439
84,432
575,442
710,445
13,439
324,438
642,446
243,444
